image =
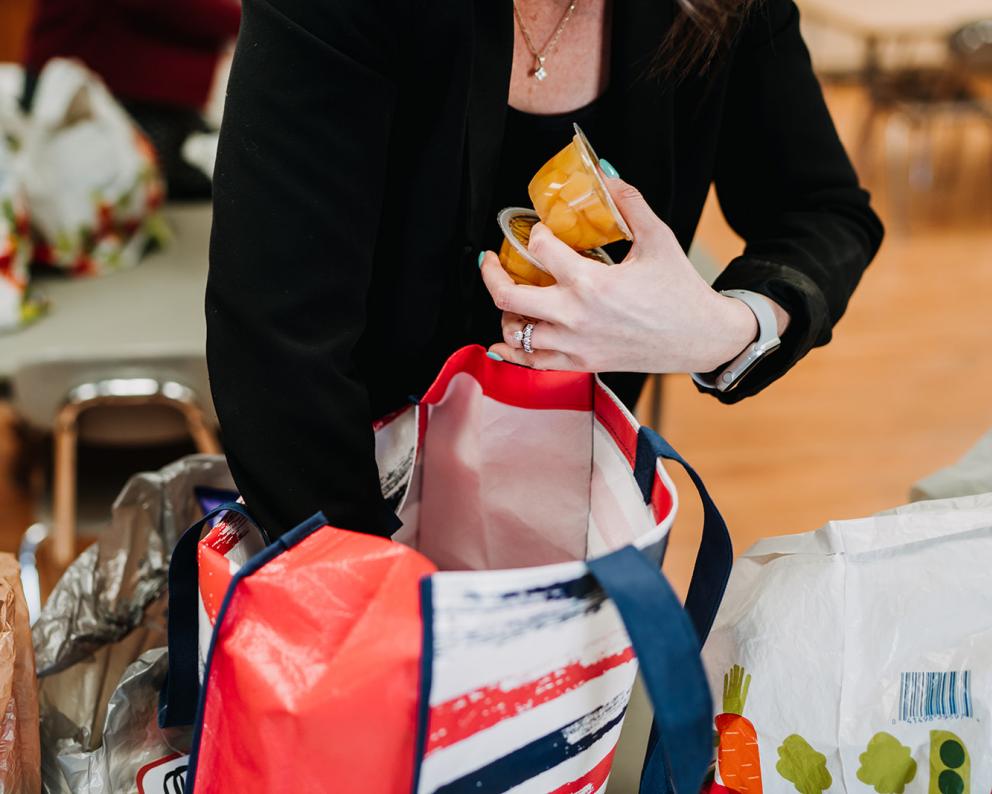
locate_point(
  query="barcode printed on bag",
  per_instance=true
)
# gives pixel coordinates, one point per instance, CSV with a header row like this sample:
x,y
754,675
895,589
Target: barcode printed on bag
x,y
935,696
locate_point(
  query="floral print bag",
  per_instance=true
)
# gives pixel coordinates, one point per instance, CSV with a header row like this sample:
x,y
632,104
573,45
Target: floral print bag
x,y
90,175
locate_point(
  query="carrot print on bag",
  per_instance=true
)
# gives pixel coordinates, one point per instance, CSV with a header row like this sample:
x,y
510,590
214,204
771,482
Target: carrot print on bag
x,y
738,760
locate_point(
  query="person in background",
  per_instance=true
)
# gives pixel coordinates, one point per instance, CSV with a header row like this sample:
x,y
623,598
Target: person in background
x,y
158,57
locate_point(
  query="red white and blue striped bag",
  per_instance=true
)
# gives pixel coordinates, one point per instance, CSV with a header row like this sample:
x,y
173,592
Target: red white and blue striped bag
x,y
491,644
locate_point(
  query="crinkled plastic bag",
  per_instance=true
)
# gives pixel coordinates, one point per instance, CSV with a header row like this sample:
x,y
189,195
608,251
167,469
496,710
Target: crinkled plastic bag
x,y
91,176
19,750
100,640
859,657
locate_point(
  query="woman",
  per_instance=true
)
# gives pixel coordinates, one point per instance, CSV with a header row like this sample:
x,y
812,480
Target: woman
x,y
367,146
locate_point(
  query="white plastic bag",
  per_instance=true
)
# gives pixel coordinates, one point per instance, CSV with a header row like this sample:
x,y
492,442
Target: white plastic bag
x,y
15,238
91,176
859,657
200,150
972,474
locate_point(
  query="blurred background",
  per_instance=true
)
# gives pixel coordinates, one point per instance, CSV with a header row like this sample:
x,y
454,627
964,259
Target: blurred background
x,y
110,378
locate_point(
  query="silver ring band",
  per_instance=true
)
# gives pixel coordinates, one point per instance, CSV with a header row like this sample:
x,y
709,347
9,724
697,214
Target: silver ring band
x,y
525,337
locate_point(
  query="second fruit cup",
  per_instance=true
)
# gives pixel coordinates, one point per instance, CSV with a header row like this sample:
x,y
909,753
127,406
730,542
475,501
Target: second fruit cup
x,y
516,224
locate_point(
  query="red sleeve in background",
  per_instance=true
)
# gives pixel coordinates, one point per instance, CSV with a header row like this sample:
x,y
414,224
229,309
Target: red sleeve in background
x,y
191,20
160,51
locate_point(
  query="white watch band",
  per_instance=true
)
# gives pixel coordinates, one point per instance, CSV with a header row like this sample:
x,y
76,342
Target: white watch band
x,y
766,343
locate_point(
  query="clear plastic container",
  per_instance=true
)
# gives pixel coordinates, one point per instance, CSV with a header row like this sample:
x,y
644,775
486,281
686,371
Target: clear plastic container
x,y
516,223
571,198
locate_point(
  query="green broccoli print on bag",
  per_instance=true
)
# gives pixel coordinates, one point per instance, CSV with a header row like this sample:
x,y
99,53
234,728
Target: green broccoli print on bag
x,y
803,766
887,765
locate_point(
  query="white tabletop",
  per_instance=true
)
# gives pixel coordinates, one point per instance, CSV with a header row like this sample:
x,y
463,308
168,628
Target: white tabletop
x,y
154,309
888,18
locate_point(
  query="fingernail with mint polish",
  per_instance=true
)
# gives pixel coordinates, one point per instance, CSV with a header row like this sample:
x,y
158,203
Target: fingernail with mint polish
x,y
608,169
494,356
482,257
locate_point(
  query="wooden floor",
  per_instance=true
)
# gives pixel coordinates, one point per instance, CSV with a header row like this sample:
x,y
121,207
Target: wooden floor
x,y
903,389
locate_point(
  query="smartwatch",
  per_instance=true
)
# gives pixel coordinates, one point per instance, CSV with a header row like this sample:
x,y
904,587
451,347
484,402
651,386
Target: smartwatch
x,y
732,374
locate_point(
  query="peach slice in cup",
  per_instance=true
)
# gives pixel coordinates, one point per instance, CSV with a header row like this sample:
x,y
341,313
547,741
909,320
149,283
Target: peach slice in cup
x,y
516,223
571,198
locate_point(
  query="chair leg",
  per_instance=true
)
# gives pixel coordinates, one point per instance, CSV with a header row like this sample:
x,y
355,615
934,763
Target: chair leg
x,y
865,155
922,169
66,435
898,182
199,429
64,487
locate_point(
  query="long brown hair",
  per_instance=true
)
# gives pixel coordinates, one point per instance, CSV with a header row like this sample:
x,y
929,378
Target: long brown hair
x,y
701,32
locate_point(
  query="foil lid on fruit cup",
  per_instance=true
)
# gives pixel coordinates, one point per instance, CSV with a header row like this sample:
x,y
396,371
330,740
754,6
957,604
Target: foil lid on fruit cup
x,y
588,155
516,223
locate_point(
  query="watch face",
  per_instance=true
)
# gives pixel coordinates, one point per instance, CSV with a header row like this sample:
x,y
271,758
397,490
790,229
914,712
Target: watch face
x,y
732,376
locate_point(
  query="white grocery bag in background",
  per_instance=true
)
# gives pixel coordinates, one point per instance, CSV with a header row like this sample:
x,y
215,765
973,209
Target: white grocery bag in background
x,y
91,176
857,657
15,237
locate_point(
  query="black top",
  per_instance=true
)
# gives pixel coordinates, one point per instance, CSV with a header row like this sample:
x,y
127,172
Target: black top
x,y
529,141
355,184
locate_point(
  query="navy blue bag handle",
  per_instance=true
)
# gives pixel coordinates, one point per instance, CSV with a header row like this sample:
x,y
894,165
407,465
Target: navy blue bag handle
x,y
181,691
716,552
667,638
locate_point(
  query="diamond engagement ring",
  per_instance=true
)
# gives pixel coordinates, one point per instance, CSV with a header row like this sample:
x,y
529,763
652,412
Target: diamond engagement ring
x,y
525,336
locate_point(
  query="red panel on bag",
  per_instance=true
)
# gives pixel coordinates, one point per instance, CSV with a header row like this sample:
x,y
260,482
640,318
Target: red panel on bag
x,y
214,577
314,680
475,711
224,535
592,780
214,567
661,499
513,385
611,415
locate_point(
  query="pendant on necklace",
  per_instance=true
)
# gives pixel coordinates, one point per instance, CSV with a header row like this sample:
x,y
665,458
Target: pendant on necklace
x,y
539,72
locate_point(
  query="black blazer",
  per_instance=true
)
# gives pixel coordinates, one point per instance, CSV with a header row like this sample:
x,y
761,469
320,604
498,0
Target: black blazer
x,y
352,196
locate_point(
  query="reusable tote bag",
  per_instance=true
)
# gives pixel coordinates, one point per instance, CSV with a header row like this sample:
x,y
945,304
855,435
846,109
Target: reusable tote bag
x,y
859,657
492,644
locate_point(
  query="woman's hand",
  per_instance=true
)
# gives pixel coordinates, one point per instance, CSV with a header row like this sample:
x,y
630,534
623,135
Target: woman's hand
x,y
650,313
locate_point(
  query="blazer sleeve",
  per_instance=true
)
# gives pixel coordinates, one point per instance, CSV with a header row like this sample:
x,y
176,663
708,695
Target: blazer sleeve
x,y
786,185
298,190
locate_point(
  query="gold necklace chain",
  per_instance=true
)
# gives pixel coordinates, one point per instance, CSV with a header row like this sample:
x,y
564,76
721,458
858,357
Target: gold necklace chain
x,y
541,55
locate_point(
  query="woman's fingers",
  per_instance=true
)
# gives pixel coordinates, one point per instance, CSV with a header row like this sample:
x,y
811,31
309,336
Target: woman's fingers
x,y
539,359
512,323
544,336
557,258
539,302
641,219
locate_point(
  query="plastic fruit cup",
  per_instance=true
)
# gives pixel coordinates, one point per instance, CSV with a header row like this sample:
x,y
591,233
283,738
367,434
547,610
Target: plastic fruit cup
x,y
571,197
516,223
